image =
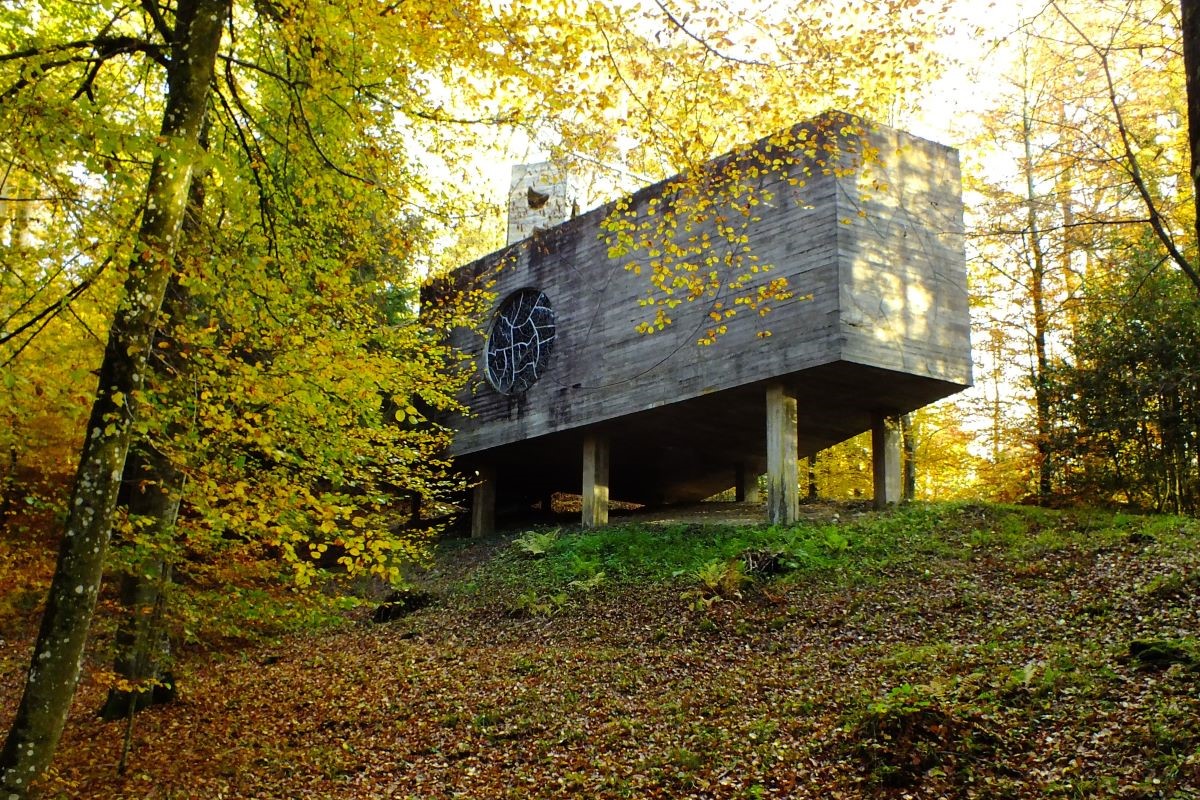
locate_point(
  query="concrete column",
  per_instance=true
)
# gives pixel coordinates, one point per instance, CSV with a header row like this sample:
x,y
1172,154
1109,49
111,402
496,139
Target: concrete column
x,y
783,502
483,503
745,489
595,480
885,458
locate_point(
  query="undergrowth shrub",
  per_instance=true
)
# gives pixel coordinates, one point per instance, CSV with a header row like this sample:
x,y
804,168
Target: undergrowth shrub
x,y
533,604
717,580
911,730
537,543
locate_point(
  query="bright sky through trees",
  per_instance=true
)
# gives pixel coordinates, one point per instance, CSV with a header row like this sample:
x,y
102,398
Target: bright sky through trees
x,y
975,59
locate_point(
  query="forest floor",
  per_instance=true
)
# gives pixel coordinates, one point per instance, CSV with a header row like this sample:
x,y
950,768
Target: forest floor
x,y
933,651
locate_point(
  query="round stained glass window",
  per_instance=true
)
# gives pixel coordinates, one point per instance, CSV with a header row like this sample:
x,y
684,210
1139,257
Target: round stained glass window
x,y
520,341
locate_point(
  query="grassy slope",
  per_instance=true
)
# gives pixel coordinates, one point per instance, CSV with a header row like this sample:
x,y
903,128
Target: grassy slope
x,y
938,651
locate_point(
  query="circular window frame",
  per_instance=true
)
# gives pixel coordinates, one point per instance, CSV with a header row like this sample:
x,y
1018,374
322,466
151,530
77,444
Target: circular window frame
x,y
519,342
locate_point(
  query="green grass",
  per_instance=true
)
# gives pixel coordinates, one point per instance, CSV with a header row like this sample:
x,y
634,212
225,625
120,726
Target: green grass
x,y
551,566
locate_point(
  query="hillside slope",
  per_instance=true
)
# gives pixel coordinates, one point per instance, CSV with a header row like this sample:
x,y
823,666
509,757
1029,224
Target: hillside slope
x,y
935,651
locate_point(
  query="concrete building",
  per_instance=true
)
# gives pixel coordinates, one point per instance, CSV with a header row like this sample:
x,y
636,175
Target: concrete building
x,y
861,226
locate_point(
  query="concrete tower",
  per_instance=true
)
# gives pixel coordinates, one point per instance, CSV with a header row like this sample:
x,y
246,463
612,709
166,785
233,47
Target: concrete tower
x,y
540,196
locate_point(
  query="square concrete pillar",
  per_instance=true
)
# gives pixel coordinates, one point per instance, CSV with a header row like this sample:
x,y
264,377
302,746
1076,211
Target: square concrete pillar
x,y
745,488
595,480
885,459
783,487
483,503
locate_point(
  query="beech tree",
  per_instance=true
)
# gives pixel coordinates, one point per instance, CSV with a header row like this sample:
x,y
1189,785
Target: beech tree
x,y
50,683
290,268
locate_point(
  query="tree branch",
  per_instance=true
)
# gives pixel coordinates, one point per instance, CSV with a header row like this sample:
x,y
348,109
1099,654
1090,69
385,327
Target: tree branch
x,y
312,138
682,28
253,153
104,46
1132,166
160,23
56,307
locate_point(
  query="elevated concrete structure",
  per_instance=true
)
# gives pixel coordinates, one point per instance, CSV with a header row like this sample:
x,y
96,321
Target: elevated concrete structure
x,y
865,225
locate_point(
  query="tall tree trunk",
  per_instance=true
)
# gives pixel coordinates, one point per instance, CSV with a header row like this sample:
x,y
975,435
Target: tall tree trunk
x,y
141,643
58,654
1037,294
154,490
1191,65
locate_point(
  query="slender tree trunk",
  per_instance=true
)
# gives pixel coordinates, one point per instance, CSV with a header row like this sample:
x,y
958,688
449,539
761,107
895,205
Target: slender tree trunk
x,y
1191,65
9,484
154,490
813,494
1074,274
996,415
1037,294
58,654
1172,449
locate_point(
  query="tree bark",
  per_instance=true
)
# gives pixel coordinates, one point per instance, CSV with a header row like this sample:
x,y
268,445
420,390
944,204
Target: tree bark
x,y
1191,64
141,641
153,492
54,670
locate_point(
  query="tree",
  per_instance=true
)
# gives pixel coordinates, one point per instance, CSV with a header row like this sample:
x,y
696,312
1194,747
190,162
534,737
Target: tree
x,y
1128,398
58,653
1092,126
184,40
1190,23
709,83
1140,27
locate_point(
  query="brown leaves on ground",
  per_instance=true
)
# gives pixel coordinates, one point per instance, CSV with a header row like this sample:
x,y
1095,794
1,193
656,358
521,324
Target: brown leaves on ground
x,y
976,675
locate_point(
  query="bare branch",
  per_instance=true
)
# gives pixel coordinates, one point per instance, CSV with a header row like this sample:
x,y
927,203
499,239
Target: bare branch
x,y
1132,167
53,309
682,28
160,23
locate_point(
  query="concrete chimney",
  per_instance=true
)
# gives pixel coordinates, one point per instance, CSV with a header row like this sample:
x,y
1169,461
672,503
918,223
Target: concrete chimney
x,y
540,196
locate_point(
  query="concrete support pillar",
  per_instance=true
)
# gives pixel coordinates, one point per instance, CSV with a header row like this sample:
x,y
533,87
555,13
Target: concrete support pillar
x,y
483,503
885,458
783,506
595,480
745,488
